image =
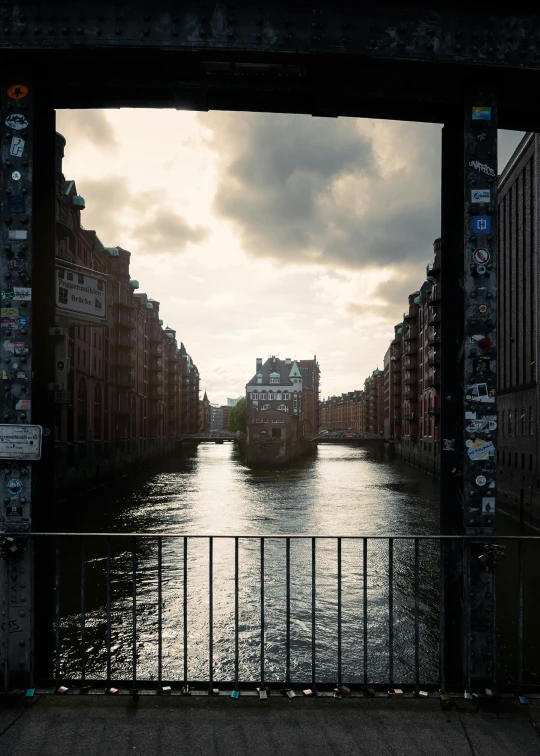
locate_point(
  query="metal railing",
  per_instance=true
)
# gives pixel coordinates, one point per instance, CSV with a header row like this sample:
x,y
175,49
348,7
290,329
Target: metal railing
x,y
148,609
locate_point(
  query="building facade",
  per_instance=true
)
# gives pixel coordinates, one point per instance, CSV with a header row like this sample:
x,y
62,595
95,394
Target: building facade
x,y
131,387
517,367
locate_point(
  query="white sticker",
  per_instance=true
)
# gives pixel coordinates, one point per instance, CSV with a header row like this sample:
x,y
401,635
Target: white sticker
x,y
492,425
17,147
16,176
480,195
18,234
20,441
488,505
468,443
481,256
470,416
16,121
481,480
22,293
481,450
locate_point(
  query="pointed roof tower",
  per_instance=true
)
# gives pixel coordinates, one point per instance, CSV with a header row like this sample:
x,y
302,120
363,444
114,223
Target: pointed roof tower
x,y
295,371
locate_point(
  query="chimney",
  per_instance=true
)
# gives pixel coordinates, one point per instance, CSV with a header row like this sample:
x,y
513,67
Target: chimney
x,y
287,360
258,364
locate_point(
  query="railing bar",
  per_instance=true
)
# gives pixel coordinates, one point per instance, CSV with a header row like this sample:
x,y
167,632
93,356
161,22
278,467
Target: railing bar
x,y
108,572
185,610
304,536
57,612
365,592
211,611
262,610
417,613
391,610
236,562
134,610
288,618
83,609
466,551
339,610
313,600
520,618
160,611
442,615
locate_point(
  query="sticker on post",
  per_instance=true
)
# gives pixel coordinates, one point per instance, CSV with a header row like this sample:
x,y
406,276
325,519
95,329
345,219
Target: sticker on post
x,y
17,147
16,204
448,444
9,323
18,234
479,392
488,505
484,169
481,341
20,442
481,113
14,486
9,312
481,480
481,450
481,256
22,293
23,405
16,121
481,224
481,195
17,91
16,175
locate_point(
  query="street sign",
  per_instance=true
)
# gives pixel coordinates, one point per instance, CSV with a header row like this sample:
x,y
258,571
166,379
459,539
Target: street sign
x,y
81,294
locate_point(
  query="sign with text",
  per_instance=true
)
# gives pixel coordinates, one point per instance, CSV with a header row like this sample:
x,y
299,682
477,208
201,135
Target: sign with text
x,y
20,442
81,293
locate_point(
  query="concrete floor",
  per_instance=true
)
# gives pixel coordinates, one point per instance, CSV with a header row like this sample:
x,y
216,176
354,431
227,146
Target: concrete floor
x,y
101,725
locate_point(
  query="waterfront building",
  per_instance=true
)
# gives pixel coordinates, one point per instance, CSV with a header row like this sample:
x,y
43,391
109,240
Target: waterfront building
x,y
204,414
234,402
130,388
279,409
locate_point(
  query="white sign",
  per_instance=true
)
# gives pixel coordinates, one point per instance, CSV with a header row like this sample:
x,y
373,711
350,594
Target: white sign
x,y
481,195
80,292
18,234
22,293
481,450
20,441
16,121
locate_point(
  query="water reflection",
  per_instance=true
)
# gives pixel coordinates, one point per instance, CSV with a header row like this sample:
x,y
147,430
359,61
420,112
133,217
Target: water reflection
x,y
341,491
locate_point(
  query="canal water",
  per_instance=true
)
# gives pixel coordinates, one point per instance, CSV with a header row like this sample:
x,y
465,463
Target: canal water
x,y
342,491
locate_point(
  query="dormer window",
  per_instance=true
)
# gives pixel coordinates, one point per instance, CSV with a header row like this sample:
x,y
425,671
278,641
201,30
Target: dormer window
x,y
259,378
274,380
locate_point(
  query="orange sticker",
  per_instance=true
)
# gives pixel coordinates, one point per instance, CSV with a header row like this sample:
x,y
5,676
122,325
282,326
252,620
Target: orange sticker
x,y
17,91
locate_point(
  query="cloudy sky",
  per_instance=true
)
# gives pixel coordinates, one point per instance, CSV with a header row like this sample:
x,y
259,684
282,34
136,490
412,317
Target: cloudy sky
x,y
266,234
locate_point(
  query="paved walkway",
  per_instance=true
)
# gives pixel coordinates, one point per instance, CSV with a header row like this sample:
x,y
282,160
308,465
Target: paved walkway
x,y
200,726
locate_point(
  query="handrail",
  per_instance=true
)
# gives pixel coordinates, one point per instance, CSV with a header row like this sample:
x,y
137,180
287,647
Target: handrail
x,y
278,535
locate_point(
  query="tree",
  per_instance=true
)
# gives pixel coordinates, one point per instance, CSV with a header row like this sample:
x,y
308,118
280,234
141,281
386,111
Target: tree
x,y
237,418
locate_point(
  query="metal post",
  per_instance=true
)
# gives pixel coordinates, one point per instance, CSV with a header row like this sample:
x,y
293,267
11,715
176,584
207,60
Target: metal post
x,y
480,366
26,256
468,406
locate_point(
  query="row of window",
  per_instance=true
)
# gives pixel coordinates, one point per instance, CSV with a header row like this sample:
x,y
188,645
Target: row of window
x,y
279,395
519,423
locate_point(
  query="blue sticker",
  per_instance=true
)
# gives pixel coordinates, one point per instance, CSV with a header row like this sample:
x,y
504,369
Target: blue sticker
x,y
23,322
14,486
481,224
481,113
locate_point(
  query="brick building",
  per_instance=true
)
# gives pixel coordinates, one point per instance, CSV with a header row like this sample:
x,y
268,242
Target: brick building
x,y
361,410
517,366
132,389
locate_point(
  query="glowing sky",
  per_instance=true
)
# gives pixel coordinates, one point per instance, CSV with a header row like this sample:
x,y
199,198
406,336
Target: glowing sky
x,y
266,234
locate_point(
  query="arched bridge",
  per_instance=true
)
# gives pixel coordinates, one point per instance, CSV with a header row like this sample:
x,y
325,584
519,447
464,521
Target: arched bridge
x,y
358,438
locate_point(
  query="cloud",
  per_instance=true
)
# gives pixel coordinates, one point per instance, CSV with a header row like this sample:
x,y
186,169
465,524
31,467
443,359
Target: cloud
x,y
167,231
87,125
340,193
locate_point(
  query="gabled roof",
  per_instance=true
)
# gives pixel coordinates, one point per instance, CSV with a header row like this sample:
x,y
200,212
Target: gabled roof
x,y
277,367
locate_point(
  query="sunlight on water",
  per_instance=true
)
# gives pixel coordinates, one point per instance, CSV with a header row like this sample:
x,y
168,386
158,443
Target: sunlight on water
x,y
342,491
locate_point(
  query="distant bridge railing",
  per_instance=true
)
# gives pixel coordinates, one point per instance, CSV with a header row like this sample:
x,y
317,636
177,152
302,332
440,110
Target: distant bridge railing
x,y
346,436
154,609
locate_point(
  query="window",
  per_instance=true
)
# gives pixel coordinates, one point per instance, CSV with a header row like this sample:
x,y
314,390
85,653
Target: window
x,y
270,395
503,456
286,395
81,410
522,461
509,423
502,423
530,462
531,422
515,460
255,395
259,379
274,380
515,423
263,395
276,432
522,421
